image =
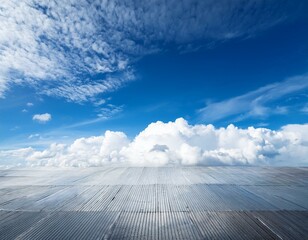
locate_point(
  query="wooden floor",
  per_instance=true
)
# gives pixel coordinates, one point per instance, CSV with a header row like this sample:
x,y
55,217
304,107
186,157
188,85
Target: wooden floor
x,y
117,202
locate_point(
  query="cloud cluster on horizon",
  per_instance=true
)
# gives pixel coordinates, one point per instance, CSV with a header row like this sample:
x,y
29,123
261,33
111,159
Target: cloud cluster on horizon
x,y
80,49
176,143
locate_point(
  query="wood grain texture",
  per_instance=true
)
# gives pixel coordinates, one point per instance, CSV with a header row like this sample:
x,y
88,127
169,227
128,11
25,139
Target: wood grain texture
x,y
117,202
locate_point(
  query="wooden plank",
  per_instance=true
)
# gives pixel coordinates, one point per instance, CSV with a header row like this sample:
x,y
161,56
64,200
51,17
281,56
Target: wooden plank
x,y
120,202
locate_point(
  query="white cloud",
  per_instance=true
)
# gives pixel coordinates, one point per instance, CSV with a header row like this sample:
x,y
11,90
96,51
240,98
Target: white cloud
x,y
42,118
109,111
305,109
36,135
104,113
100,102
15,157
255,103
60,47
178,143
88,91
30,104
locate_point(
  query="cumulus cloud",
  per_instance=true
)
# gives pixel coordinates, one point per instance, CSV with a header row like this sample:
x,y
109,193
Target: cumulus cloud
x,y
78,49
178,143
42,118
16,156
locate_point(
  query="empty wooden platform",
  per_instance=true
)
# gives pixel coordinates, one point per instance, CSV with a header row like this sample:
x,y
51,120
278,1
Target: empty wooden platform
x,y
117,202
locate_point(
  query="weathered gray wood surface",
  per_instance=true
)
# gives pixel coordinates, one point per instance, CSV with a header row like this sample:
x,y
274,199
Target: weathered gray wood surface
x,y
117,202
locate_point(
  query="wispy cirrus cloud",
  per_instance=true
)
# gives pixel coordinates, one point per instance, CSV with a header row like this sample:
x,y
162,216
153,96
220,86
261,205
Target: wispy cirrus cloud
x,y
89,90
305,109
104,113
80,49
255,103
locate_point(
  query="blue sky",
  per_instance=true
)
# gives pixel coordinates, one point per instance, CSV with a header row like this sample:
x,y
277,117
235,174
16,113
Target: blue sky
x,y
121,65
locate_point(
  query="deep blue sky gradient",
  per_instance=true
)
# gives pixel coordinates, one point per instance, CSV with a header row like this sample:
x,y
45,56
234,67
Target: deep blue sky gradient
x,y
174,83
